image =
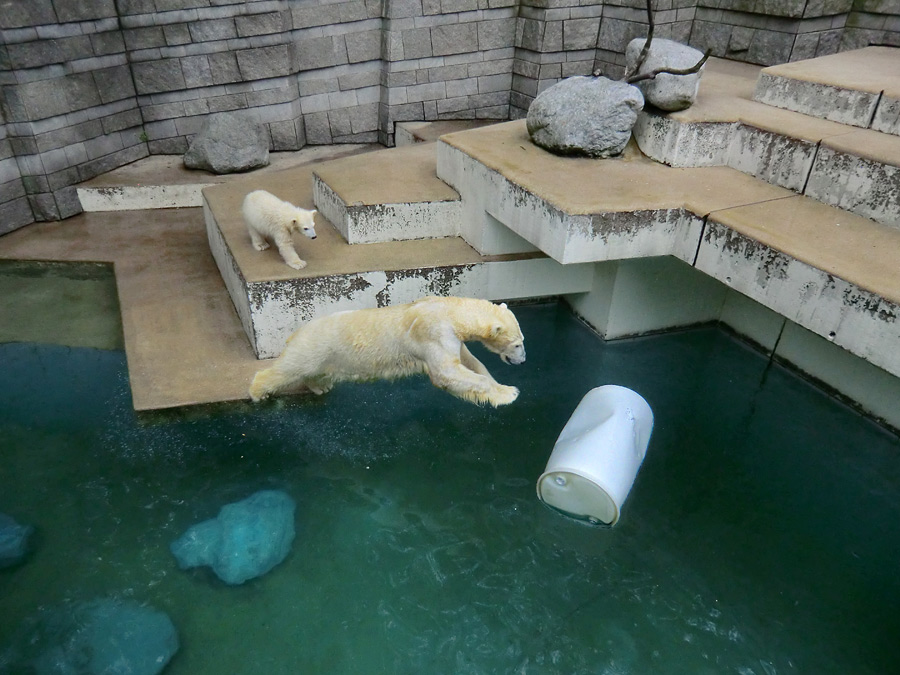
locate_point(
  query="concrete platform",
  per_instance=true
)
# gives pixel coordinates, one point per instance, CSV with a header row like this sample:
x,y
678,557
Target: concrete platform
x,y
163,182
831,272
860,88
183,340
841,165
394,195
273,299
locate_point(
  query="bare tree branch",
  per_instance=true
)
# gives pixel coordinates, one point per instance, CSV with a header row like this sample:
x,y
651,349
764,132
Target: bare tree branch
x,y
671,71
646,48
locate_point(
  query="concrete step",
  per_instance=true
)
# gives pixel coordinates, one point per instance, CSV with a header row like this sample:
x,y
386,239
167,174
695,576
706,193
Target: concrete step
x,y
394,195
410,133
272,300
829,271
860,88
163,182
857,170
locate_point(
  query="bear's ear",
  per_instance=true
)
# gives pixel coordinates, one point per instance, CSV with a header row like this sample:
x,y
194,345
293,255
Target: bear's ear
x,y
502,305
314,211
496,329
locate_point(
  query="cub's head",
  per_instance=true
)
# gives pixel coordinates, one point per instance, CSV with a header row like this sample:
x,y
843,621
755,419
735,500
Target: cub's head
x,y
304,221
505,337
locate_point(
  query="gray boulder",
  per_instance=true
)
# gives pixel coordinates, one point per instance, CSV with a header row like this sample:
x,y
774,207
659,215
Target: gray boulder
x,y
666,91
228,143
93,638
590,116
246,540
13,541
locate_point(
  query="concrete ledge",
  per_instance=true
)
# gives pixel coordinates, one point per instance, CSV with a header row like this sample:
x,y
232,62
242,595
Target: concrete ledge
x,y
372,223
853,169
827,270
863,186
392,196
825,101
138,198
272,300
855,88
858,320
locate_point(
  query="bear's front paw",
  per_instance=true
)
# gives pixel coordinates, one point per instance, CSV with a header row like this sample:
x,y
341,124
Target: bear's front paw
x,y
297,264
503,395
261,246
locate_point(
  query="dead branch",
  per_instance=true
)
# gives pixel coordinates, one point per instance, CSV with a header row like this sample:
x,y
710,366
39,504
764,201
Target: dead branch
x,y
646,48
671,71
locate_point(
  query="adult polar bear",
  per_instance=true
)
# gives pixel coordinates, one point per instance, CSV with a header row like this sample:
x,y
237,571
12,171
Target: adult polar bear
x,y
425,336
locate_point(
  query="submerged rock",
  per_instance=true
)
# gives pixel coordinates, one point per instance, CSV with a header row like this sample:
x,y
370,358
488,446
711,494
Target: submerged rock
x,y
666,91
228,143
13,541
590,116
246,540
93,638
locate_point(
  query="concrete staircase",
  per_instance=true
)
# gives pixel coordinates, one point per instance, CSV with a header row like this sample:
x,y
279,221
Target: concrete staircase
x,y
779,224
794,222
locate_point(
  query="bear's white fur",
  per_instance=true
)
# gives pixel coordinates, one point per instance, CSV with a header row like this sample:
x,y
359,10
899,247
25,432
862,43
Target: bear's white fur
x,y
268,217
426,336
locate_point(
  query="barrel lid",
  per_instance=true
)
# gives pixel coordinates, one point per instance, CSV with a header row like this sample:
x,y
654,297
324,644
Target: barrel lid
x,y
577,496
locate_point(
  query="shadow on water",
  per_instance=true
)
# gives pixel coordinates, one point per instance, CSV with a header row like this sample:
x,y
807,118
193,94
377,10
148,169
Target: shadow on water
x,y
761,536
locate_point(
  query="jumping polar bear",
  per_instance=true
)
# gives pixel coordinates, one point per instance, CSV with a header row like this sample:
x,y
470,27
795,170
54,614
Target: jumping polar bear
x,y
267,216
425,336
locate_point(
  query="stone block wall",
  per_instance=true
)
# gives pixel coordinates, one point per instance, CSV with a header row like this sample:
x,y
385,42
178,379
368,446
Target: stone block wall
x,y
90,85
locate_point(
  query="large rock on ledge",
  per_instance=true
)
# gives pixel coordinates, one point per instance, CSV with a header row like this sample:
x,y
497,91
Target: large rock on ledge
x,y
247,539
228,143
590,116
666,91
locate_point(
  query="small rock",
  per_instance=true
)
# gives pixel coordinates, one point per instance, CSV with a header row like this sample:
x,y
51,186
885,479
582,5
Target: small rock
x,y
13,541
590,116
228,143
93,638
246,540
666,91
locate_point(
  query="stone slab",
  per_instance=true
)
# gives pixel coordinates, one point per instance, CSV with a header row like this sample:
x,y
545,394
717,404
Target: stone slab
x,y
643,208
846,87
831,272
392,196
779,146
865,187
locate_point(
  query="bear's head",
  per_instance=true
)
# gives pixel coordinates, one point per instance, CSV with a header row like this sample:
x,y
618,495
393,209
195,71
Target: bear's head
x,y
304,221
505,337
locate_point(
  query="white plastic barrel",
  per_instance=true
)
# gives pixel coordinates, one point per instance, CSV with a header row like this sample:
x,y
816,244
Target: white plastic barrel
x,y
597,456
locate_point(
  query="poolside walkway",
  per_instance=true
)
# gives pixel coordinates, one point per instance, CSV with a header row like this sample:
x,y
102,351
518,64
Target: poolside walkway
x,y
184,342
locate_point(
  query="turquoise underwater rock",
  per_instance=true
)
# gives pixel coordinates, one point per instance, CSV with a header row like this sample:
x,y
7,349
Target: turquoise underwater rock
x,y
247,539
13,541
93,638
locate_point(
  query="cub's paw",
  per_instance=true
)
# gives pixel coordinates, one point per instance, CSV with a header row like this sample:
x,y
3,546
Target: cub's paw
x,y
503,395
297,264
261,246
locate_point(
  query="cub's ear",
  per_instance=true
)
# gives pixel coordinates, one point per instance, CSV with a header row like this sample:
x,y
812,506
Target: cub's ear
x,y
313,211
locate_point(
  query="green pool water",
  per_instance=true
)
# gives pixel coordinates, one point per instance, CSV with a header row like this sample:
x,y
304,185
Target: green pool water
x,y
762,534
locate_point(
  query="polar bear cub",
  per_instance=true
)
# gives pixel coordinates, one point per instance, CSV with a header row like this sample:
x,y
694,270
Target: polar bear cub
x,y
426,336
268,217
